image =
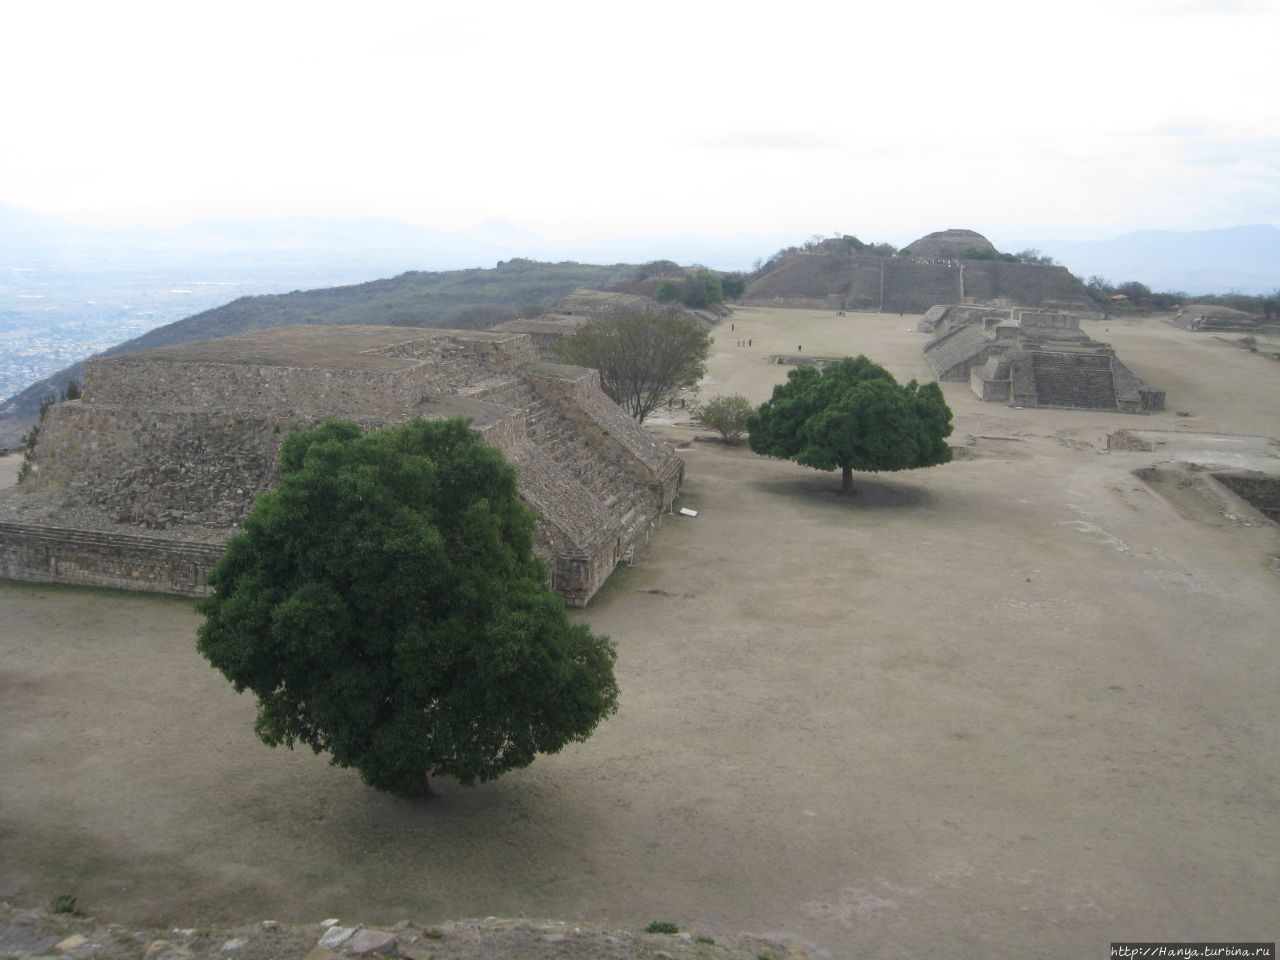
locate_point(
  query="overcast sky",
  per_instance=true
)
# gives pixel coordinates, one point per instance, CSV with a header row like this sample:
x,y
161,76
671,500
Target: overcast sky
x,y
1082,119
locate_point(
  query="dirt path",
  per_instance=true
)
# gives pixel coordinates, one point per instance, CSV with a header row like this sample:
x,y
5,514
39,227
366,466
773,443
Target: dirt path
x,y
1016,703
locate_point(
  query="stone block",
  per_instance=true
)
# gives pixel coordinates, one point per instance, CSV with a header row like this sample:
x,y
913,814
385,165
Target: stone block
x,y
372,941
337,936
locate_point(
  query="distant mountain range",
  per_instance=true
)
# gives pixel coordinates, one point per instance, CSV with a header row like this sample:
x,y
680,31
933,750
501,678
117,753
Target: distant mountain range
x,y
1230,260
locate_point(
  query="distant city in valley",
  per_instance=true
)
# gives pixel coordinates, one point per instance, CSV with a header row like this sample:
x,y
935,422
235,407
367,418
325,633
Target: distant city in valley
x,y
52,317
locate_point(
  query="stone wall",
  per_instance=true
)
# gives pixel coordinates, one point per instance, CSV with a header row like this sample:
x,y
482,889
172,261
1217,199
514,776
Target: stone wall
x,y
90,558
1260,491
186,467
915,287
864,287
307,393
910,285
1025,283
1035,321
991,380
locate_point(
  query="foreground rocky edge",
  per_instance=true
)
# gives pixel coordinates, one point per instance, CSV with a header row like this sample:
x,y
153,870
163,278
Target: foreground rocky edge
x,y
28,933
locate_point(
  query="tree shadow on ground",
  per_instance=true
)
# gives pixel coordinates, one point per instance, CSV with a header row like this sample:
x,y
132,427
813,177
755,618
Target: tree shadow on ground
x,y
871,491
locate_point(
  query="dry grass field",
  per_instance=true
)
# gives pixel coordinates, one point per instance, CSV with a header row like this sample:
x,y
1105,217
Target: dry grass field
x,y
1020,705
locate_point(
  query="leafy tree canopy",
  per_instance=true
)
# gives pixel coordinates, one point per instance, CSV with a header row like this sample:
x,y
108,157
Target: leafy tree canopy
x,y
733,284
657,268
727,415
701,289
385,605
644,359
852,415
668,292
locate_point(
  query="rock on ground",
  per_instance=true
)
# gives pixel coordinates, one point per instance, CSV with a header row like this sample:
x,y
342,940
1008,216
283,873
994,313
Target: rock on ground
x,y
27,934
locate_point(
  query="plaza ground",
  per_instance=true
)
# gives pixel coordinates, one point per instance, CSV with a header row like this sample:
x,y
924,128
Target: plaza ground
x,y
1023,704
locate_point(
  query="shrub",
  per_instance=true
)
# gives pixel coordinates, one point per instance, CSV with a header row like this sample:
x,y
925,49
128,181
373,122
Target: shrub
x,y
727,416
28,441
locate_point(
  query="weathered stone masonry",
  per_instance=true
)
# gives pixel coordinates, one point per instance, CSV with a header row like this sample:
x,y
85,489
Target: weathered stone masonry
x,y
140,482
1033,358
92,558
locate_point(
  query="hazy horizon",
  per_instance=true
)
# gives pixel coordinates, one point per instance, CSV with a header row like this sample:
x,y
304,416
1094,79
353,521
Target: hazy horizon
x,y
577,122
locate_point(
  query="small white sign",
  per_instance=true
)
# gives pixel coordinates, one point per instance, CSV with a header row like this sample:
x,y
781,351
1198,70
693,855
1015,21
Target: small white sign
x,y
686,512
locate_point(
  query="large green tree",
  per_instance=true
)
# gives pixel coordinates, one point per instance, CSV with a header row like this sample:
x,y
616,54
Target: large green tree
x,y
644,359
385,605
852,415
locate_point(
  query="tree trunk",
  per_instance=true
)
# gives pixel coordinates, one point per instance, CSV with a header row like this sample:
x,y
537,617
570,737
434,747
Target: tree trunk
x,y
424,788
846,481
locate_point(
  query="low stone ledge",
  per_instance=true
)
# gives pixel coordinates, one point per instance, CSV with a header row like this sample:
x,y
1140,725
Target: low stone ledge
x,y
36,553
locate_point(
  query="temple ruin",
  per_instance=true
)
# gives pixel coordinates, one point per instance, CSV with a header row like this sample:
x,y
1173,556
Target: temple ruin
x,y
139,483
1213,318
1032,358
934,269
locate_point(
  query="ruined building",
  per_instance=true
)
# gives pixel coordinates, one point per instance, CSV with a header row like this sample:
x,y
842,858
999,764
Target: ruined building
x,y
140,482
934,269
1214,318
1034,358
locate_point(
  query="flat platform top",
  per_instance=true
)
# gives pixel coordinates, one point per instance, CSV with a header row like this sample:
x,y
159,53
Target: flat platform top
x,y
557,323
337,347
1238,451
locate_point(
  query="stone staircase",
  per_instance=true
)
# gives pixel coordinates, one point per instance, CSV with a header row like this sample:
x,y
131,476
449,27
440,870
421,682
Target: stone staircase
x,y
577,457
1074,380
953,353
609,483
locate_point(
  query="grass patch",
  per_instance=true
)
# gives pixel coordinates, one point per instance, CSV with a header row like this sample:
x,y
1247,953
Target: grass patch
x,y
662,926
64,903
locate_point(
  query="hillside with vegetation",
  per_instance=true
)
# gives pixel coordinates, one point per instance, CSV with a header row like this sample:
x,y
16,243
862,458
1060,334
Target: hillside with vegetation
x,y
471,299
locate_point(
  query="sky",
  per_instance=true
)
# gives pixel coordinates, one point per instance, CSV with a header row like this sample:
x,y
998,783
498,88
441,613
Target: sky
x,y
578,119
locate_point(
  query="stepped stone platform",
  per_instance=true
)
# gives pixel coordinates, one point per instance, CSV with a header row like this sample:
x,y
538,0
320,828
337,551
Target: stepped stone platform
x,y
1212,318
140,482
574,309
934,269
1033,358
